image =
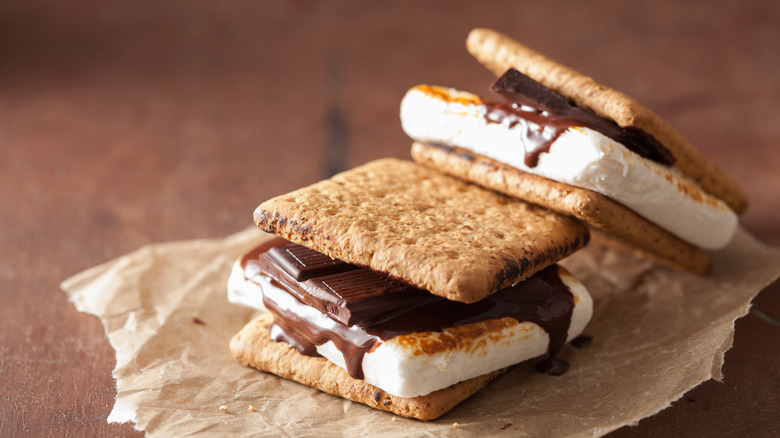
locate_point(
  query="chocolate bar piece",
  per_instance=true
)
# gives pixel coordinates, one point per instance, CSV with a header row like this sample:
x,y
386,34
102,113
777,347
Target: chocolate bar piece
x,y
302,264
550,114
344,292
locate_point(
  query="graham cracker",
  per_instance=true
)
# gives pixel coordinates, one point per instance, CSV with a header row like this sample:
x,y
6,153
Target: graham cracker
x,y
439,233
253,347
498,52
595,209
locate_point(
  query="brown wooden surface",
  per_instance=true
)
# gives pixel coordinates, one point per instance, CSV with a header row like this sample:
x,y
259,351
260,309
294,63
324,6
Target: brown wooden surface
x,y
123,124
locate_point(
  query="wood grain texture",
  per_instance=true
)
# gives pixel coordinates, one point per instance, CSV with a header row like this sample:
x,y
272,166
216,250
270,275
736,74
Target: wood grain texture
x,y
122,125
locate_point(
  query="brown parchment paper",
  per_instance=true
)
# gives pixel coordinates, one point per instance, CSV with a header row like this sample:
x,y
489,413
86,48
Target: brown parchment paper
x,y
657,333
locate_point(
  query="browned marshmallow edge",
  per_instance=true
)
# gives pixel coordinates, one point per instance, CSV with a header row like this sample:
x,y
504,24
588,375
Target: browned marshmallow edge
x,y
498,52
433,231
253,347
595,209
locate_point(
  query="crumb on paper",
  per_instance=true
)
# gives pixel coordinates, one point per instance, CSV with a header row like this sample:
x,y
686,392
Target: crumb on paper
x,y
506,426
224,409
455,425
393,419
198,321
252,408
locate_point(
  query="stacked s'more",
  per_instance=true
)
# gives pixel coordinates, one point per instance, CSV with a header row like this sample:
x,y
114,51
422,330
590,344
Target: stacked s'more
x,y
563,141
410,286
403,288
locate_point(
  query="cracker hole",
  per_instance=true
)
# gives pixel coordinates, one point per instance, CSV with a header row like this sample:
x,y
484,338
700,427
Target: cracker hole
x,y
370,226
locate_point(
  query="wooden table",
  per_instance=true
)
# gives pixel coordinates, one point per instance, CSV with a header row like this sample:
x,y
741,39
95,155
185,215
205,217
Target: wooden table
x,y
123,124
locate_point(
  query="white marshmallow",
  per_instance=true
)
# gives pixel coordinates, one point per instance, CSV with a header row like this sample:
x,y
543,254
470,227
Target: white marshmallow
x,y
580,157
242,291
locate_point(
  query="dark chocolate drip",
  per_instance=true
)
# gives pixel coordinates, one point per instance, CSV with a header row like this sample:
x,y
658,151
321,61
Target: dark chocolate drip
x,y
379,308
545,114
303,328
581,341
552,366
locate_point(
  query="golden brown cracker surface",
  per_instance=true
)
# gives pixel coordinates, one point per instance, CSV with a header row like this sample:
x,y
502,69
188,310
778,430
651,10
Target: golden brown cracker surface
x,y
253,347
595,209
454,239
498,52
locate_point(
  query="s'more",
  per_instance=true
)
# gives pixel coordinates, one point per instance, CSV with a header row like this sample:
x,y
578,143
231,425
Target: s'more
x,y
563,141
406,289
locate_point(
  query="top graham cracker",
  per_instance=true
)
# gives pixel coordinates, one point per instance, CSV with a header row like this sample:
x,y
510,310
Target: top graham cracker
x,y
498,52
433,231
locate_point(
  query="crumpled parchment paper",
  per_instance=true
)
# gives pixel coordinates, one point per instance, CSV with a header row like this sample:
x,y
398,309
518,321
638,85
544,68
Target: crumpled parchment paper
x,y
657,333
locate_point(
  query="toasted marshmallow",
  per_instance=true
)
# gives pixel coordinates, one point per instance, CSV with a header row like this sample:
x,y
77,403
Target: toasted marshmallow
x,y
420,363
580,157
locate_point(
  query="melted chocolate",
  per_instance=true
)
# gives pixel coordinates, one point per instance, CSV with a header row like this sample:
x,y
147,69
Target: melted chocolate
x,y
379,308
304,327
581,341
552,366
545,114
